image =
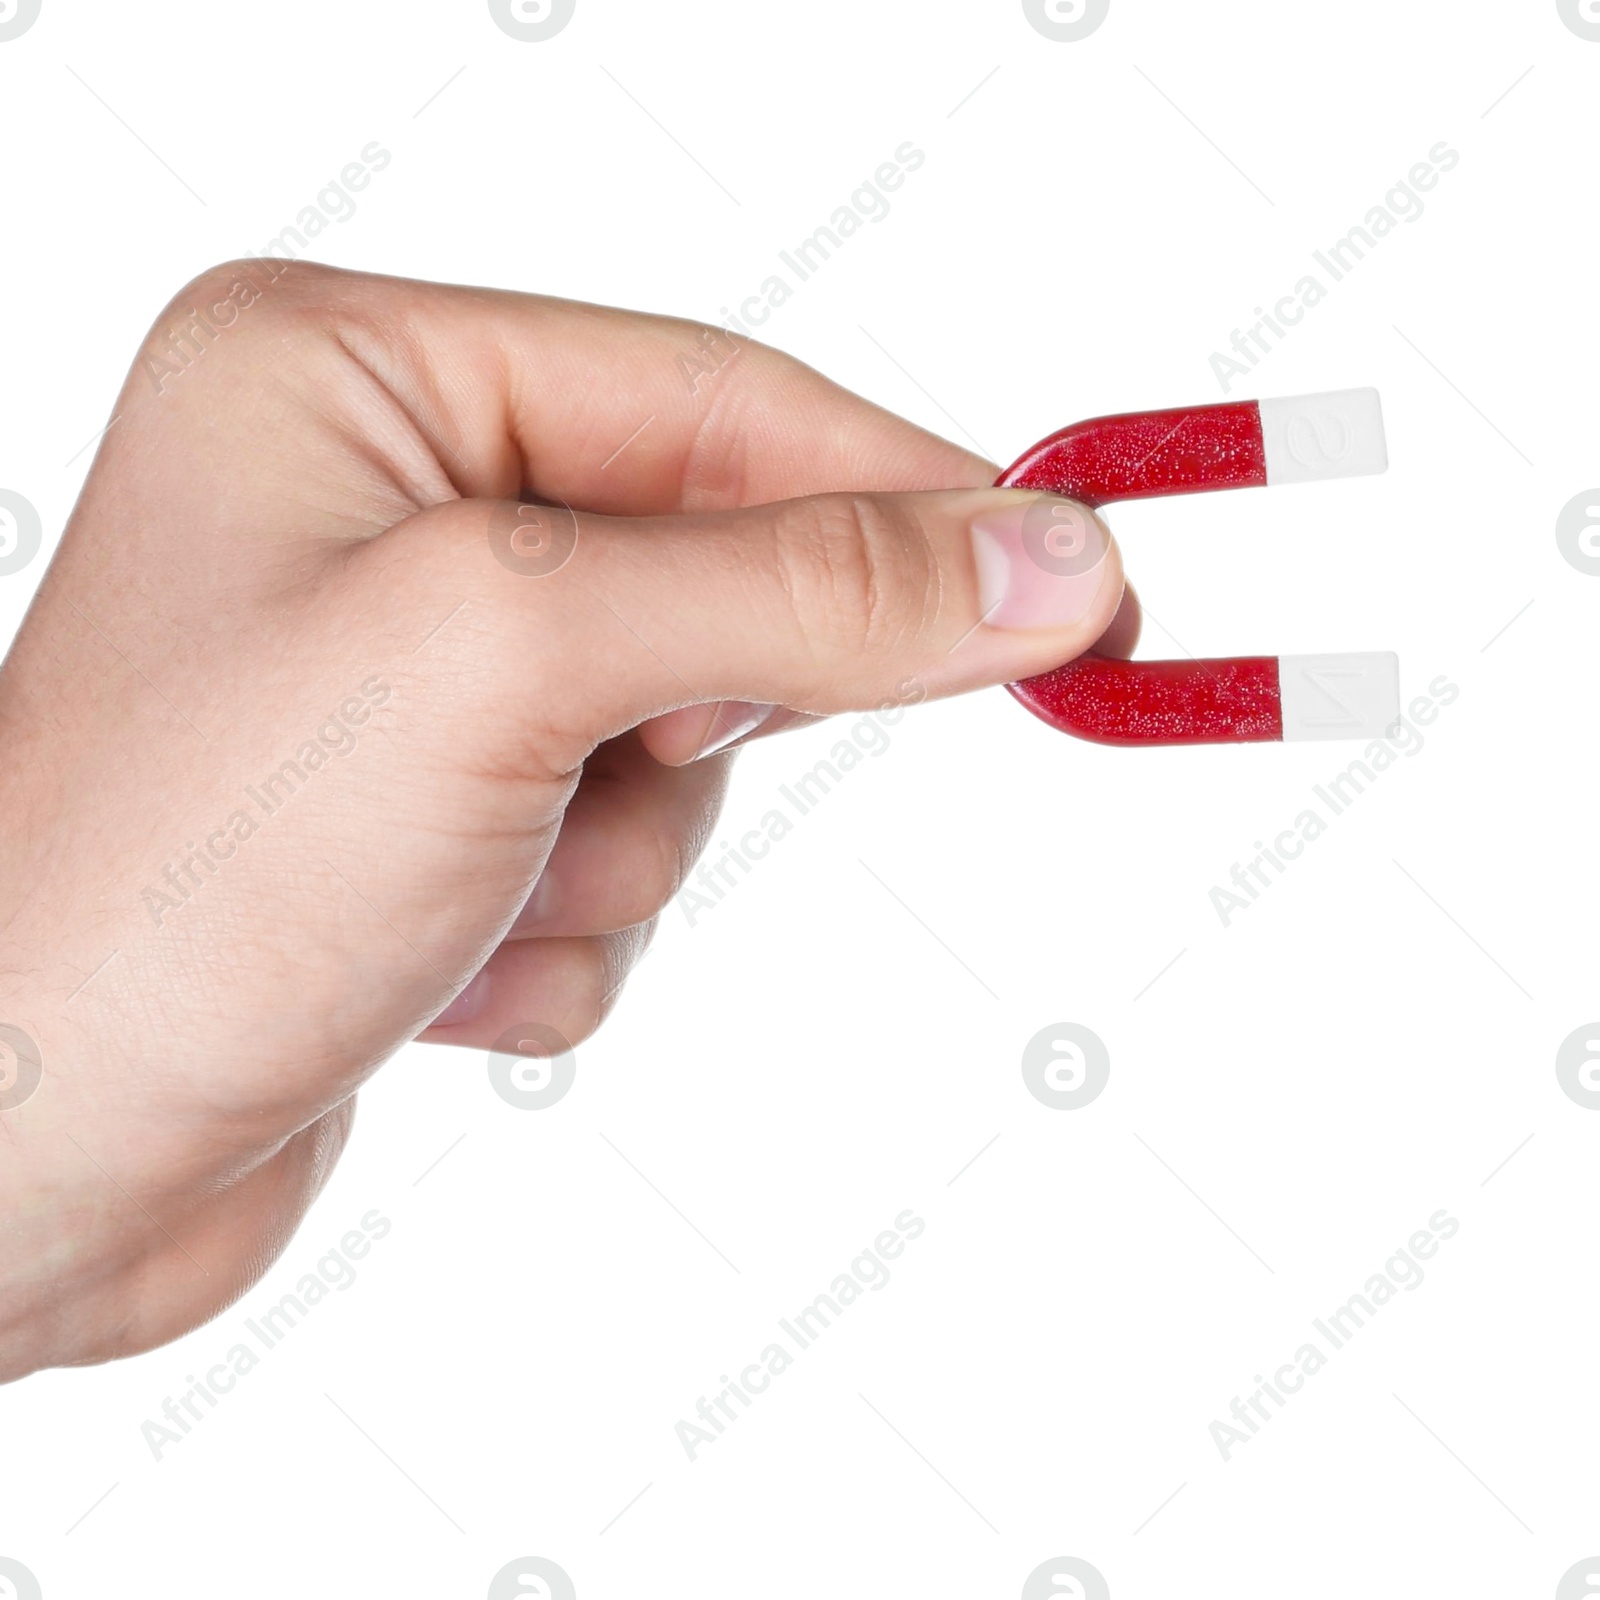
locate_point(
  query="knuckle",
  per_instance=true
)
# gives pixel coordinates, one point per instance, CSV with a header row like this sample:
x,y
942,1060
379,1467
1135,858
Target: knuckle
x,y
620,953
738,382
215,298
255,299
859,565
488,636
596,975
214,322
572,983
662,877
646,877
716,467
596,970
299,280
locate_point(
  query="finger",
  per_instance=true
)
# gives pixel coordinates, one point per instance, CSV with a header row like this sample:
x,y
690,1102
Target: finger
x,y
694,732
1121,637
613,411
601,415
831,603
569,985
630,834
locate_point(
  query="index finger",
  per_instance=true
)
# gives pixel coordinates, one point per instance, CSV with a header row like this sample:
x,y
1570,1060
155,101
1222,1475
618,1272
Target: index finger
x,y
627,413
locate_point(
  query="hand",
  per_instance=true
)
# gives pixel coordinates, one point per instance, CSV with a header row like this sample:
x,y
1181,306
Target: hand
x,y
317,739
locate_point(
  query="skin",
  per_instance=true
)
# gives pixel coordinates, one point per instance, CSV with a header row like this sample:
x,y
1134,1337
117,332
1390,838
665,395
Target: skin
x,y
308,508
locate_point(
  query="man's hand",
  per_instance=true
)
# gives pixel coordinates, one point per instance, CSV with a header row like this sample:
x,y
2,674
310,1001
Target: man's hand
x,y
363,699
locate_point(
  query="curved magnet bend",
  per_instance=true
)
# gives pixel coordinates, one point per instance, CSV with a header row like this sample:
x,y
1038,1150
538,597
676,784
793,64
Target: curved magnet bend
x,y
1193,450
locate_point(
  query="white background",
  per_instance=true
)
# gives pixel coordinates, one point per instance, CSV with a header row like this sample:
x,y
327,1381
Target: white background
x,y
1290,1099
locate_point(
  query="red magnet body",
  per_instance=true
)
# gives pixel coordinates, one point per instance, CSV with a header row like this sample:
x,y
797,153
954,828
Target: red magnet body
x,y
1193,450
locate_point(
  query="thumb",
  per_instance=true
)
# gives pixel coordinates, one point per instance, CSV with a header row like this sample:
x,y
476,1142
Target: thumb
x,y
824,604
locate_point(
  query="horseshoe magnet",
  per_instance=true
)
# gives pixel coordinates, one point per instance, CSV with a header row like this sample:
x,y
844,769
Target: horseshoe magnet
x,y
1193,450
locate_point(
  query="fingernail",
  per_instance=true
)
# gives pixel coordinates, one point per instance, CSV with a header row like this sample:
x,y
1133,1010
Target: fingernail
x,y
1040,561
467,1003
732,720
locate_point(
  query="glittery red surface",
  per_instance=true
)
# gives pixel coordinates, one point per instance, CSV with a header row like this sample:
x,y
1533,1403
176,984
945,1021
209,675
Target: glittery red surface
x,y
1159,702
1140,455
1147,453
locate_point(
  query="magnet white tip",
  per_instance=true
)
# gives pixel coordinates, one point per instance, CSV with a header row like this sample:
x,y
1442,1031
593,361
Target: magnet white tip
x,y
1339,697
1311,436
